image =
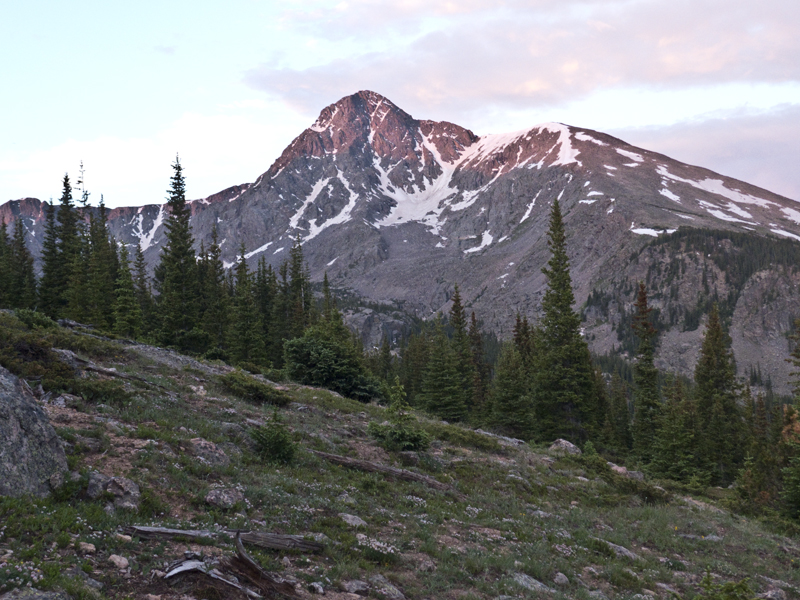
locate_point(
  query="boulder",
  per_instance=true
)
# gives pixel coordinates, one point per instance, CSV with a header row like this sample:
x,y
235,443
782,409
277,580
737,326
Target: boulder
x,y
209,452
33,594
31,454
564,447
126,493
225,498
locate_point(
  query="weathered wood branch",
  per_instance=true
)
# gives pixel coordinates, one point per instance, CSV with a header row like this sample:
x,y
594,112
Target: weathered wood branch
x,y
149,533
402,474
249,569
263,539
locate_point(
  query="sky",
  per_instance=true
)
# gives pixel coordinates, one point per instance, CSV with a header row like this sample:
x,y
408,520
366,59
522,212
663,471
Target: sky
x,y
125,87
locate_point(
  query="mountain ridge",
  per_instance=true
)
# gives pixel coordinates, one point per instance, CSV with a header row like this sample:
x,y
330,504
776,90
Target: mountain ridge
x,y
399,210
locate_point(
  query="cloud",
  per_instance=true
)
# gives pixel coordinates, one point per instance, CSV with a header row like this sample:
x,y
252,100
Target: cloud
x,y
761,149
168,50
463,56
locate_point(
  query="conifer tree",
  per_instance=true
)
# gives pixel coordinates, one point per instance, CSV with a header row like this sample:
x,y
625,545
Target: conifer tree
x,y
414,358
565,403
646,401
142,291
215,318
102,272
266,290
22,289
619,415
281,318
442,393
480,370
127,313
176,274
461,347
300,297
716,395
674,451
5,267
512,410
246,341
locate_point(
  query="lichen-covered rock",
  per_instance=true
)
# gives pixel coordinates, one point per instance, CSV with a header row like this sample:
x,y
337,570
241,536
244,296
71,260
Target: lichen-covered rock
x,y
209,452
30,450
225,498
564,447
126,493
33,594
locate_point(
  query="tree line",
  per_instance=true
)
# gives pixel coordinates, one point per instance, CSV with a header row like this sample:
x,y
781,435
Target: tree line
x,y
544,384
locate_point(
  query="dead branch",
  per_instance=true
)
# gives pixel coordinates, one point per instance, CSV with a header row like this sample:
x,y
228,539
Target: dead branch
x,y
275,541
250,570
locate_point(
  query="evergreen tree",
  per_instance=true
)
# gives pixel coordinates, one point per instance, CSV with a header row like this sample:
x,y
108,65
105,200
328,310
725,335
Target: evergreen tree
x,y
246,340
461,347
480,370
565,402
142,291
300,296
674,449
414,358
176,274
619,415
512,410
716,394
127,313
281,329
442,393
266,290
22,289
102,273
215,318
5,267
646,401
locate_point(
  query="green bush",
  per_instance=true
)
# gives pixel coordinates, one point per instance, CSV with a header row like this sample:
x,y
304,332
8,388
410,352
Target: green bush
x,y
461,437
251,389
34,320
318,358
402,432
273,441
725,591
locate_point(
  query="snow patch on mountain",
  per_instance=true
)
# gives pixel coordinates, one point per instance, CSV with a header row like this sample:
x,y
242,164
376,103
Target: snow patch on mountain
x,y
785,234
486,240
637,158
315,191
530,207
585,137
146,240
665,192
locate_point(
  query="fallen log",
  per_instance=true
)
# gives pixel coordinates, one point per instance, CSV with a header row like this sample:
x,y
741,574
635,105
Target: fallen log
x,y
263,539
402,474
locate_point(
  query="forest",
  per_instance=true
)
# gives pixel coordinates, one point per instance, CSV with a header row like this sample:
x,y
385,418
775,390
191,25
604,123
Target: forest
x,y
541,385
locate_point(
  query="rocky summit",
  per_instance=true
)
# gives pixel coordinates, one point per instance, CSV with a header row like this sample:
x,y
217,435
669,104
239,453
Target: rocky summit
x,y
399,210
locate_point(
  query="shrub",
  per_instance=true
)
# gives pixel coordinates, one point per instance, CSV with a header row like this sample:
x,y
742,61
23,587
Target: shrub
x,y
725,591
319,358
273,441
402,432
253,390
34,320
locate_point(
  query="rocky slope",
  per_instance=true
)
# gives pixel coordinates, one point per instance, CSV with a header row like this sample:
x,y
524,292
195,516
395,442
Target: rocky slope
x,y
399,210
482,517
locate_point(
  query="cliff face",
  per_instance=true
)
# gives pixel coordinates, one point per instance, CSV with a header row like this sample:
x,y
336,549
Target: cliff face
x,y
399,210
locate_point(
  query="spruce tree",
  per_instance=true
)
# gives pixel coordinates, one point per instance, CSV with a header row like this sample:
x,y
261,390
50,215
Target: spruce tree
x,y
674,451
176,274
102,272
413,360
22,289
127,313
619,417
480,370
461,346
441,392
716,394
565,402
246,340
5,267
512,410
215,319
646,400
266,290
142,291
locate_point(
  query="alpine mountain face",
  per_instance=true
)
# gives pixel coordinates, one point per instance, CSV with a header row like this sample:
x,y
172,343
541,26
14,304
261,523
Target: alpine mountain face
x,y
398,210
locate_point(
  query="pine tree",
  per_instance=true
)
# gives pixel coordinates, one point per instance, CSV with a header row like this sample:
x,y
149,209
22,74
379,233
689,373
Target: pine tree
x,y
246,341
414,358
22,289
300,297
5,267
442,393
461,346
142,291
512,410
674,451
266,290
565,403
127,313
480,370
619,415
176,274
716,394
102,273
646,401
215,318
281,329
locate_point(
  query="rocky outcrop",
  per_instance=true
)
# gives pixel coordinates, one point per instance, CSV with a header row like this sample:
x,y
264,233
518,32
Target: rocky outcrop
x,y
32,459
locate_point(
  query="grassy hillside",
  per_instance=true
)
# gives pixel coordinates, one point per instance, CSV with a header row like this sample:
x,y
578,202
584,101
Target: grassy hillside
x,y
507,516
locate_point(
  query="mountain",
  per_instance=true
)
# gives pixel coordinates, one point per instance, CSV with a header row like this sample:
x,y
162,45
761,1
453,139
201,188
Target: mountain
x,y
398,210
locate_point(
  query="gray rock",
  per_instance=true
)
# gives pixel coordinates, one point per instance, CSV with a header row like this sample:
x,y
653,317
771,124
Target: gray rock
x,y
225,498
97,484
386,588
561,579
315,587
529,583
564,447
667,588
356,586
209,452
30,450
598,595
773,595
353,520
33,594
126,493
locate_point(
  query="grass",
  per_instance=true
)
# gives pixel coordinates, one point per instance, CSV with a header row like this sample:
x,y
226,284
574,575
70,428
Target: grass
x,y
525,510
